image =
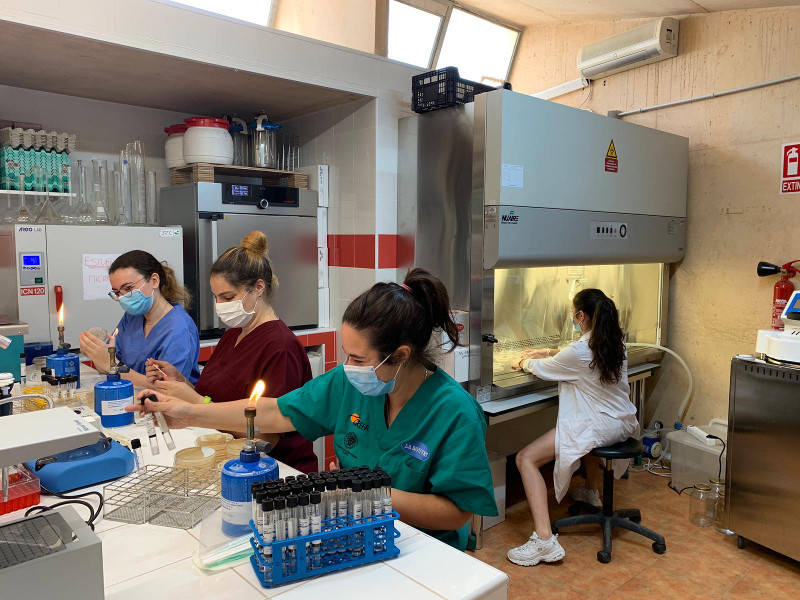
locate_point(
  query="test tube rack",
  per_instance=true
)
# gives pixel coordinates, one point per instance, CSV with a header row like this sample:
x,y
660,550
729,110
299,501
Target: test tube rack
x,y
166,496
343,543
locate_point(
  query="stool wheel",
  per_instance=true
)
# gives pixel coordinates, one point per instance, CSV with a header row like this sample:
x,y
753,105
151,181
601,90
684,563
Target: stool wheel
x,y
604,557
574,509
554,529
659,548
636,519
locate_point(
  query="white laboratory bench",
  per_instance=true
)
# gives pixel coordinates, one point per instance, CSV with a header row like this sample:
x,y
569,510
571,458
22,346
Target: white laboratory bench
x,y
148,561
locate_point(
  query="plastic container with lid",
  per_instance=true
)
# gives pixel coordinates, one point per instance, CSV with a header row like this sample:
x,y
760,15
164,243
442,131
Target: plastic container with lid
x,y
241,142
173,147
693,461
207,141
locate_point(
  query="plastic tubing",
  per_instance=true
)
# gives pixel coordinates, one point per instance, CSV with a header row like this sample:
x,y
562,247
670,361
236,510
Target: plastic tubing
x,y
685,403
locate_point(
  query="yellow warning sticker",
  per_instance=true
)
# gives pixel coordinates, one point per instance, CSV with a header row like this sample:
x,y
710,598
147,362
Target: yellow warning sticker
x,y
612,152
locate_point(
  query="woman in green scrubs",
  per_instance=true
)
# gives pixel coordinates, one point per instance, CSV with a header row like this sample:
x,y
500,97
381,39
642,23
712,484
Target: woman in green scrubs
x,y
388,406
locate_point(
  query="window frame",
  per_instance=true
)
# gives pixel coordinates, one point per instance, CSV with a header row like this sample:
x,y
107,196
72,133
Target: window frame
x,y
444,9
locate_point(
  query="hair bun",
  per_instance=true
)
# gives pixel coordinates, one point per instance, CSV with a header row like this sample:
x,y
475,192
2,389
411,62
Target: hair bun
x,y
255,242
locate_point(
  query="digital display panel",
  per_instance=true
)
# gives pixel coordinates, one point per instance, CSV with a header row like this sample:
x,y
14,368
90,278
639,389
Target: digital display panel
x,y
31,260
796,305
240,190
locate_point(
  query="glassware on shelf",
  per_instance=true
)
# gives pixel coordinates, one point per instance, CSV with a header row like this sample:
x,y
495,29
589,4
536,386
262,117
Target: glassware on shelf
x,y
66,210
100,209
151,198
111,213
47,214
84,213
24,215
125,187
7,213
134,152
122,218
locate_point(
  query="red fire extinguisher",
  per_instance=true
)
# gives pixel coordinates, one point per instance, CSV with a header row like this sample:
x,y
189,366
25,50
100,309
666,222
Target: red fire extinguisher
x,y
783,288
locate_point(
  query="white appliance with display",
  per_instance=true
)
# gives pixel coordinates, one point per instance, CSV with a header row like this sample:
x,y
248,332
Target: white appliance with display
x,y
50,264
783,346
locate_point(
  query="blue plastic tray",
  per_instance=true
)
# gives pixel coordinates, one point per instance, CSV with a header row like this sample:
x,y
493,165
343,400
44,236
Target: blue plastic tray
x,y
343,543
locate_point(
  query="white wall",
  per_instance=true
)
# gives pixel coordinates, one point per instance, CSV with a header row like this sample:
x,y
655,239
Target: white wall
x,y
103,128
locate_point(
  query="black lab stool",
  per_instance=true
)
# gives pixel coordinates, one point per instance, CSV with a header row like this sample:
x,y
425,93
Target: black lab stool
x,y
628,518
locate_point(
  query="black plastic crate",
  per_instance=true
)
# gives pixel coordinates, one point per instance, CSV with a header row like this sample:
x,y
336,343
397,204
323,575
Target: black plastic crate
x,y
442,88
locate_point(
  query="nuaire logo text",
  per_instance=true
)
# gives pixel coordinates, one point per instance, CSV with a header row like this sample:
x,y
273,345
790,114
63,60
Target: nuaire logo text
x,y
509,218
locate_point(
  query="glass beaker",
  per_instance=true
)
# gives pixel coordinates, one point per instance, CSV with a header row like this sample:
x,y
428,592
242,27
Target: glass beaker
x,y
24,215
720,515
702,504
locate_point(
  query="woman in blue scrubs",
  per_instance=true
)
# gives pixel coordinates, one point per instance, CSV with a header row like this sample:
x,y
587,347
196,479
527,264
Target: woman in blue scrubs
x,y
155,324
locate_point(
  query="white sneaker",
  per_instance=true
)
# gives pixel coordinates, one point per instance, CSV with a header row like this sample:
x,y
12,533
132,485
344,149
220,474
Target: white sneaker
x,y
536,550
587,496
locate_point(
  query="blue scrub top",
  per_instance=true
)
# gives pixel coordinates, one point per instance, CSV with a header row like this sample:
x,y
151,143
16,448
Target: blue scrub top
x,y
173,339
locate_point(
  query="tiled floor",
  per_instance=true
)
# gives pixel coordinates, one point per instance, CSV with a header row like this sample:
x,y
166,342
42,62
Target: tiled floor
x,y
699,562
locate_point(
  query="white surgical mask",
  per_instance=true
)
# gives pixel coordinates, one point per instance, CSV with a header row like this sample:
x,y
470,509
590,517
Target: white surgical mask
x,y
233,313
366,380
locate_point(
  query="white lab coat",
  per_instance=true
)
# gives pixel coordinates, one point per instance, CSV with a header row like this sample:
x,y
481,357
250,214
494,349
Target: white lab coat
x,y
590,414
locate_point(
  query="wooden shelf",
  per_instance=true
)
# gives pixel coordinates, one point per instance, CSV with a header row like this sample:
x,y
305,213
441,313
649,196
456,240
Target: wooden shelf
x,y
205,172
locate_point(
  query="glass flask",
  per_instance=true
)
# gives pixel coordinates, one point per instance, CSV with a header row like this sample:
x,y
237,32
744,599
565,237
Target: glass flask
x,y
702,503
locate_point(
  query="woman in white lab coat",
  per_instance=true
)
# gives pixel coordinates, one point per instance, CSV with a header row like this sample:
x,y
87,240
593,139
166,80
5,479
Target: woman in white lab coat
x,y
594,409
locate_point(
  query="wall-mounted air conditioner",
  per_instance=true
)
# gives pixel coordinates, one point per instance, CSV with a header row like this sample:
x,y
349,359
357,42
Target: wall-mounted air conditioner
x,y
640,46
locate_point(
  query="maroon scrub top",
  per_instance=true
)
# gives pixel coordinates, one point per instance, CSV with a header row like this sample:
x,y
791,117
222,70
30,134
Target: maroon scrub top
x,y
270,352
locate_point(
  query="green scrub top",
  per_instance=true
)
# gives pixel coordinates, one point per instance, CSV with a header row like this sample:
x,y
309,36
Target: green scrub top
x,y
436,444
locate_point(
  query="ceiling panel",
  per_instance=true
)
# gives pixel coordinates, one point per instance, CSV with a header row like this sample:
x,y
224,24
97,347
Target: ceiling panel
x,y
543,12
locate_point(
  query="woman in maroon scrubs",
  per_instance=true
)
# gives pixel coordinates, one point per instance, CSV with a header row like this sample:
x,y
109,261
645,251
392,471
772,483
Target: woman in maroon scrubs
x,y
257,345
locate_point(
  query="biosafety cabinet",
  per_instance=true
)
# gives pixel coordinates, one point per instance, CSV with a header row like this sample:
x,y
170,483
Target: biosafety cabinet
x,y
518,203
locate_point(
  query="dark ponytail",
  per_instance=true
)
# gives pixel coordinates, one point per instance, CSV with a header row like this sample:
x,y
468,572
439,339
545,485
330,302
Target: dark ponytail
x,y
606,342
392,315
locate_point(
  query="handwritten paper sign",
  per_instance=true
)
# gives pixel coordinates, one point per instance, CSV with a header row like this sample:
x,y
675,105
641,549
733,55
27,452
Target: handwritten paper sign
x,y
95,275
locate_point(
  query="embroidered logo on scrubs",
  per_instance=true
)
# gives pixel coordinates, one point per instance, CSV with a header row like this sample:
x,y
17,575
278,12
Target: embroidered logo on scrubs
x,y
358,422
350,440
416,449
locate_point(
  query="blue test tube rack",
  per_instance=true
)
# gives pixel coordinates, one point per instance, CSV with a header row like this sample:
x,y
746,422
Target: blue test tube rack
x,y
343,543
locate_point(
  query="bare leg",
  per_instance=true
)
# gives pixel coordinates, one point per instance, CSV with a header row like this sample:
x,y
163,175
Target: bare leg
x,y
592,466
539,452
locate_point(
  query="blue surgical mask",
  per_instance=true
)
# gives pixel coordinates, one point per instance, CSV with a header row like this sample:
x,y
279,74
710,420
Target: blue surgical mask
x,y
136,303
366,381
577,326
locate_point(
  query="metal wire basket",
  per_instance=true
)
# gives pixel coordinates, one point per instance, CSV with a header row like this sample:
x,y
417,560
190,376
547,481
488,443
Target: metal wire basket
x,y
166,496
